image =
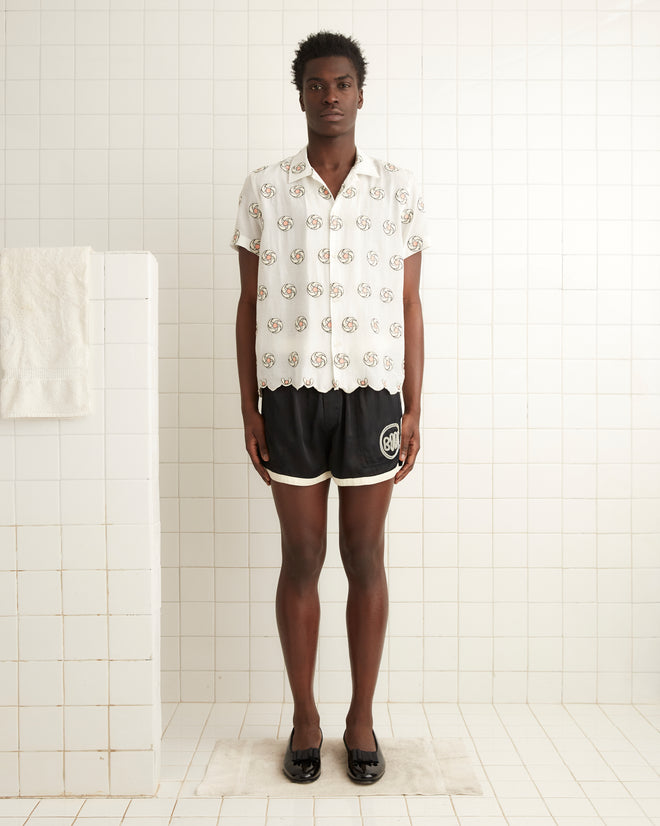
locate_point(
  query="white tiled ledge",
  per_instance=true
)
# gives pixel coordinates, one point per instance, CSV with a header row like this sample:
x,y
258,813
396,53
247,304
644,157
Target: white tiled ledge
x,y
80,565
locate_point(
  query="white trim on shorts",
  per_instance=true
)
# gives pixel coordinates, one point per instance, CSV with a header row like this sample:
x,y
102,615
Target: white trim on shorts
x,y
298,480
360,480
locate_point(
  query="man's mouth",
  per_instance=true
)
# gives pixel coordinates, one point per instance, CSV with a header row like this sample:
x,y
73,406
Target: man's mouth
x,y
334,114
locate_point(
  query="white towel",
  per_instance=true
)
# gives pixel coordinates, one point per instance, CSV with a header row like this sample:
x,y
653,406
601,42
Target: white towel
x,y
44,351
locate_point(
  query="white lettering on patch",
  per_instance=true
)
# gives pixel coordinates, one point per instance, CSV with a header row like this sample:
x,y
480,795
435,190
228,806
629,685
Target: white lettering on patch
x,y
390,440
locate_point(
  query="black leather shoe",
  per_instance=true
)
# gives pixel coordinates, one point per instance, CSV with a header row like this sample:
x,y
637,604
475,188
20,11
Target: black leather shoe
x,y
365,766
302,765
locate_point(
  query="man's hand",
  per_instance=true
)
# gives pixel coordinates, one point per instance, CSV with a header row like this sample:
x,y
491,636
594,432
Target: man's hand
x,y
410,444
255,443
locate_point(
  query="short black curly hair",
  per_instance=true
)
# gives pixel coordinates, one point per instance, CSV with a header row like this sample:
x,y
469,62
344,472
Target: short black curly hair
x,y
328,44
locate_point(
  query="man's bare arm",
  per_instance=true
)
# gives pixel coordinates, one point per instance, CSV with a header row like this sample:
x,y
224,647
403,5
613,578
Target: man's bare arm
x,y
246,324
414,364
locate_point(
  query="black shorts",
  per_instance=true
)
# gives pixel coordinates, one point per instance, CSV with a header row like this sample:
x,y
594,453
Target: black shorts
x,y
352,437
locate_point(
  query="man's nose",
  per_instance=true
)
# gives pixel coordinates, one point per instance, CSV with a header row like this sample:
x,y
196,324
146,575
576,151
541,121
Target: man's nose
x,y
330,95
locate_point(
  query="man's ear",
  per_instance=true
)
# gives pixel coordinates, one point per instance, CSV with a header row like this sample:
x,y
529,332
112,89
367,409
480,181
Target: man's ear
x,y
300,100
360,99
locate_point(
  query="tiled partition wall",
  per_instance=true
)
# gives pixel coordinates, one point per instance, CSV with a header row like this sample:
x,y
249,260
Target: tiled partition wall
x,y
523,554
79,565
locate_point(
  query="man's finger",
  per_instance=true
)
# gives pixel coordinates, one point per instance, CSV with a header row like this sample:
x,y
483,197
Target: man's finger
x,y
255,454
407,455
403,472
405,444
263,451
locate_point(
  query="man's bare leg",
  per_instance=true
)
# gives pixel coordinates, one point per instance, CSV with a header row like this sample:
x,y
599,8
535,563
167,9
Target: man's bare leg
x,y
303,521
362,513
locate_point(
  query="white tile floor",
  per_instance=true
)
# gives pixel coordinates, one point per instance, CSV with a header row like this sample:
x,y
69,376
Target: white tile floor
x,y
569,765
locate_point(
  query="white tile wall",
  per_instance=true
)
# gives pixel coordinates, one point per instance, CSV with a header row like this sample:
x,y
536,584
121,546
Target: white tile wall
x,y
523,554
80,568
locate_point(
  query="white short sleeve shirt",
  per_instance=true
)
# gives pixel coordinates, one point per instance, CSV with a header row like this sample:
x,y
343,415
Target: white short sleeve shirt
x,y
330,286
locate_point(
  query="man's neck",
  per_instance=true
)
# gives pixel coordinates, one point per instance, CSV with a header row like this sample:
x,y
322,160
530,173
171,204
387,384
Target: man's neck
x,y
331,155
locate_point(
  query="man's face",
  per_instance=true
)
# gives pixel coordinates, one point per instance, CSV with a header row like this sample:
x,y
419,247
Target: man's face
x,y
330,95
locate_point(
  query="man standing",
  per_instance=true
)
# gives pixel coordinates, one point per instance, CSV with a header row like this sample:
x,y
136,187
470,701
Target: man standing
x,y
329,245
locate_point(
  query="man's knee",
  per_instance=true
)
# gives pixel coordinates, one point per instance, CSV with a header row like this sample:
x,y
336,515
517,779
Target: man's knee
x,y
303,557
362,559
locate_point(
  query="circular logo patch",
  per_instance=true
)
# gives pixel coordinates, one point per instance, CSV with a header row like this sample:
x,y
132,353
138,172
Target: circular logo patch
x,y
390,440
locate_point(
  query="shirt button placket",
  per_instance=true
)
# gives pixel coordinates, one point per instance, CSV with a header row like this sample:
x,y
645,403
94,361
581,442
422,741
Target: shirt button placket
x,y
335,246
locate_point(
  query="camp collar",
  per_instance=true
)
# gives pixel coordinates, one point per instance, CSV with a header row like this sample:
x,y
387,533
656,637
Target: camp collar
x,y
300,167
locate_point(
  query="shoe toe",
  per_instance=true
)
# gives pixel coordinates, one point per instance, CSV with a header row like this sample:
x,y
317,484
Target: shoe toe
x,y
302,765
365,766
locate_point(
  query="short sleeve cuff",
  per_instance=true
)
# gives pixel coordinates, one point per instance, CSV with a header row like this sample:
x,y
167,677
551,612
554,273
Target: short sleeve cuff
x,y
241,240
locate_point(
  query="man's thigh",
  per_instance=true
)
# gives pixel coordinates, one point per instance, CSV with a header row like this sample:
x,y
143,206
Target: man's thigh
x,y
302,511
362,514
